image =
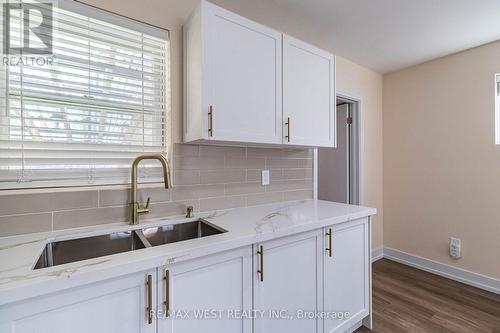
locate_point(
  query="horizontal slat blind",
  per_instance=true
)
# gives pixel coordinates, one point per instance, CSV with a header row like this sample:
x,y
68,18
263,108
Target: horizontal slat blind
x,y
82,119
497,110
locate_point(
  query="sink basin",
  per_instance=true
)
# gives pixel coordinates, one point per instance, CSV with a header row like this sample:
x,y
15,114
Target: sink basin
x,y
172,233
62,252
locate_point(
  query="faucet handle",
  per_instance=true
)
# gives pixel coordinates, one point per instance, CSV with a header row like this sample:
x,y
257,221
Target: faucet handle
x,y
147,203
189,211
140,209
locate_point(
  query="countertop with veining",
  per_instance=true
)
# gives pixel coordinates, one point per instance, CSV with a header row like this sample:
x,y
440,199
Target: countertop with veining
x,y
245,226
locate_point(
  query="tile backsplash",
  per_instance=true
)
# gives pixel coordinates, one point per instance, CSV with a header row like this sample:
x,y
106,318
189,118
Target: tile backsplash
x,y
206,177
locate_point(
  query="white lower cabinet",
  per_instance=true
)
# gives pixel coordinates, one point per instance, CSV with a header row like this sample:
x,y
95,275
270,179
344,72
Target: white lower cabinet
x,y
215,292
287,280
283,283
116,305
347,275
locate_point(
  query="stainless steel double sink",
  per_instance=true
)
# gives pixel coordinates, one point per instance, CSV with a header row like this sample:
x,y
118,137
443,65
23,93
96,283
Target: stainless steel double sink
x,y
67,251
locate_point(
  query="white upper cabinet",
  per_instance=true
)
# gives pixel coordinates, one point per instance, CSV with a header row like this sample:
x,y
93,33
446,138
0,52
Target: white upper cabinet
x,y
233,78
308,94
235,73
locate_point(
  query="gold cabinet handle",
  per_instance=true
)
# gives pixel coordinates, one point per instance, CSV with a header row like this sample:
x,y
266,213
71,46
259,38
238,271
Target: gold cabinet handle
x,y
288,129
149,308
166,301
261,263
210,120
329,248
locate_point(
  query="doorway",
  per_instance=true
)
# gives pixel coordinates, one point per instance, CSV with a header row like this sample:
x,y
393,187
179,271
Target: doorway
x,y
338,168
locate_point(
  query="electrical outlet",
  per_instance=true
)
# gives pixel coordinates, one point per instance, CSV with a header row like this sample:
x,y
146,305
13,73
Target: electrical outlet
x,y
265,177
455,248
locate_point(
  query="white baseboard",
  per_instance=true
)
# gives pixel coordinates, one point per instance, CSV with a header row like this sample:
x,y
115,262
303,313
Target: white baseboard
x,y
457,274
377,254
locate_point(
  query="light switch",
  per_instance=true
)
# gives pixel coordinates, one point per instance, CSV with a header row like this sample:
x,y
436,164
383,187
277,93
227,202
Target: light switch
x,y
265,177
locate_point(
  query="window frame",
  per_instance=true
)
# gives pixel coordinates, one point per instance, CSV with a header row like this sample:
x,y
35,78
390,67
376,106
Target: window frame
x,y
166,115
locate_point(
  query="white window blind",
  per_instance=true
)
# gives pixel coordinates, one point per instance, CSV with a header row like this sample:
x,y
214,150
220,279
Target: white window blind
x,y
497,109
82,119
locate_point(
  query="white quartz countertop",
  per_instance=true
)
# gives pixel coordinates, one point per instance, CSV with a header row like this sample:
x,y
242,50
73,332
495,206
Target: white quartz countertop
x,y
245,226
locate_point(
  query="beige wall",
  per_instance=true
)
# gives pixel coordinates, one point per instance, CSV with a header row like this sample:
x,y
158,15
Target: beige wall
x,y
358,81
441,164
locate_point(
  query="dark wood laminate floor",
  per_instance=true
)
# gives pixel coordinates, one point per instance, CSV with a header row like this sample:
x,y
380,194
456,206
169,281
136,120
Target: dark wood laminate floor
x,y
406,299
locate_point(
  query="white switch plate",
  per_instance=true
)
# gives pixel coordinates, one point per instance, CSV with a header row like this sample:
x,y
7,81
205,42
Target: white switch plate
x,y
455,248
265,177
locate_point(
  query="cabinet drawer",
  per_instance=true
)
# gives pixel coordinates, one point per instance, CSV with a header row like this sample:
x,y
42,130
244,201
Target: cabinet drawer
x,y
117,305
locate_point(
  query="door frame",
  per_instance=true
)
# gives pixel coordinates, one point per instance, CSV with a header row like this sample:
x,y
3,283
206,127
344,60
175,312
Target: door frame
x,y
357,144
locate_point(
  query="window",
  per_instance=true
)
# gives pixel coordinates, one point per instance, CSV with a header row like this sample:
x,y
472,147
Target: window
x,y
81,118
497,108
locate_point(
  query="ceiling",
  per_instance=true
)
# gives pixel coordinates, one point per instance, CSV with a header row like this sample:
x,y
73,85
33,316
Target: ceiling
x,y
387,35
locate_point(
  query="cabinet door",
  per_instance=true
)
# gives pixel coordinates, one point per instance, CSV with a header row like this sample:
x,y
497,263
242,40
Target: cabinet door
x,y
347,279
291,281
243,78
214,290
117,305
308,94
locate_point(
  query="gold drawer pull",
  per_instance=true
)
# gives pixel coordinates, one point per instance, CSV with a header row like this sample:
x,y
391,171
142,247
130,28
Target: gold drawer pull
x,y
261,263
149,308
210,121
329,248
166,302
288,129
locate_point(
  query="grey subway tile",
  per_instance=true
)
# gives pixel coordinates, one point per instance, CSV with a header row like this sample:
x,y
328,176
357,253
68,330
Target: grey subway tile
x,y
296,153
186,163
165,209
306,163
186,177
186,150
114,197
222,176
88,217
197,192
262,152
283,163
46,202
264,198
25,224
256,175
238,162
198,163
222,151
288,185
298,195
297,173
122,197
222,203
280,152
244,188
